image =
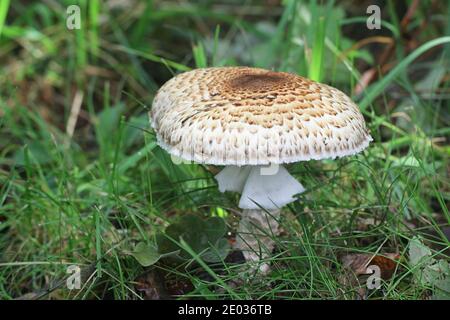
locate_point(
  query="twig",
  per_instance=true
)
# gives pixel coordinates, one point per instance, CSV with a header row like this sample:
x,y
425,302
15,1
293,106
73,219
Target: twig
x,y
74,113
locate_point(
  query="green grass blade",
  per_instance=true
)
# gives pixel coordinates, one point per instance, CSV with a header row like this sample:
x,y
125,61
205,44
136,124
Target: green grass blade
x,y
315,70
196,257
378,88
4,7
154,58
94,12
200,55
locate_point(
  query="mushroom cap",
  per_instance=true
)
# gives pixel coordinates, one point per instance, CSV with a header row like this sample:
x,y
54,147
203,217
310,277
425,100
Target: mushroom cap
x,y
251,116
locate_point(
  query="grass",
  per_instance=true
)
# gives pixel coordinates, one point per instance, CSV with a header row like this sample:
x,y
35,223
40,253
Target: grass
x,y
3,12
86,197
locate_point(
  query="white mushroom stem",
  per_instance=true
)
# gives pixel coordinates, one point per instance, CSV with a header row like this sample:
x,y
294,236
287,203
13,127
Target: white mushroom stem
x,y
264,191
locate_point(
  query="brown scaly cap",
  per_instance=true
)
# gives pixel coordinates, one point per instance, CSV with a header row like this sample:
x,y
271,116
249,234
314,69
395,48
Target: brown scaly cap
x,y
249,116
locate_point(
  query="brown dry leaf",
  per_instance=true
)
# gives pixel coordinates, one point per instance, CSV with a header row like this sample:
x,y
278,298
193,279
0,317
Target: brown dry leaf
x,y
358,263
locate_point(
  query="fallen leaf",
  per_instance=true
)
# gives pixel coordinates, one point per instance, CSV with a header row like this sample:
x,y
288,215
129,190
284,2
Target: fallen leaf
x,y
418,251
428,270
146,254
442,291
359,263
361,266
387,264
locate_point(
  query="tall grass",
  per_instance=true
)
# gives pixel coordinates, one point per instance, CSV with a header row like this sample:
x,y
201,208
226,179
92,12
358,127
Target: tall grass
x,y
4,6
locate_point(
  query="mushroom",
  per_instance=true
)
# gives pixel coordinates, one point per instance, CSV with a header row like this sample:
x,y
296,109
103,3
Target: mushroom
x,y
253,121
